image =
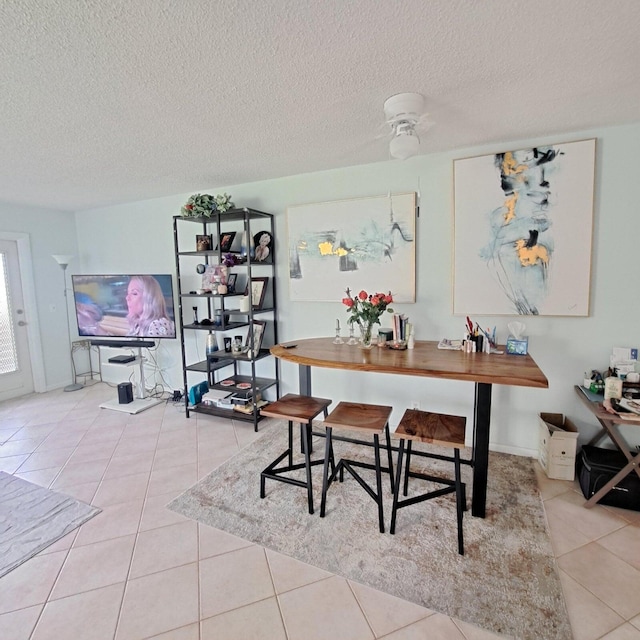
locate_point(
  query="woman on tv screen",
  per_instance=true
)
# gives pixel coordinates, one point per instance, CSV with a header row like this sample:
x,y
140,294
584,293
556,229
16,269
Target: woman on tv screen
x,y
147,314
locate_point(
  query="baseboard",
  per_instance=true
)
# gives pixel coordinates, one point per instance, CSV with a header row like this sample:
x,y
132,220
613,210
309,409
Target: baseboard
x,y
514,451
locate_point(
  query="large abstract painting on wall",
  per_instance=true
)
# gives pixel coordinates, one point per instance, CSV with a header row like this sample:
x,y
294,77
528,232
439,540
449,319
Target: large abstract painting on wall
x,y
367,243
523,231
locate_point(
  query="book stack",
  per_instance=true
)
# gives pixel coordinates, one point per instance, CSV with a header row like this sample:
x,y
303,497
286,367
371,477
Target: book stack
x,y
249,406
401,327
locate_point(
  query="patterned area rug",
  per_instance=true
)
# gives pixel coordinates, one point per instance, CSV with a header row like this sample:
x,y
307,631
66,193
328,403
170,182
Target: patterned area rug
x,y
32,518
506,582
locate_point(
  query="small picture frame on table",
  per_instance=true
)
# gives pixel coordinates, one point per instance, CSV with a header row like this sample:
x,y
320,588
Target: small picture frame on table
x,y
258,291
258,335
203,243
226,240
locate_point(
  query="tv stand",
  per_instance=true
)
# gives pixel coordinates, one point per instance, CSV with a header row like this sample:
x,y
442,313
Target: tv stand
x,y
141,403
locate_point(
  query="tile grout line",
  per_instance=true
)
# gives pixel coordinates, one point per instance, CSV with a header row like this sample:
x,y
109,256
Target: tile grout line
x,y
128,579
64,562
364,615
277,595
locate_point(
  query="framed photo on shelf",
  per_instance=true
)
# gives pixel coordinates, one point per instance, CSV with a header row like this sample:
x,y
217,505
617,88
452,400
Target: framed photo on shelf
x,y
258,334
226,240
263,242
258,291
203,243
231,282
211,278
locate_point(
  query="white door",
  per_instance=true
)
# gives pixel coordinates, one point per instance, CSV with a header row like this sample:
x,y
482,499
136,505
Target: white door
x,y
16,377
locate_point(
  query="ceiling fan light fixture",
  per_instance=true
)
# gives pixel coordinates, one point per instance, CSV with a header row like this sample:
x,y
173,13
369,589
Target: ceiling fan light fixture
x,y
404,106
404,144
403,112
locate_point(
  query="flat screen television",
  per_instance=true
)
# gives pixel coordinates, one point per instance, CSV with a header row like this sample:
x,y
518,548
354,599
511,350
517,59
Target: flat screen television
x,y
124,306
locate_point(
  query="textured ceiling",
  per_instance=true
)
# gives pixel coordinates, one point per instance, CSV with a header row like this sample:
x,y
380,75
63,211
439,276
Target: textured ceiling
x,y
107,101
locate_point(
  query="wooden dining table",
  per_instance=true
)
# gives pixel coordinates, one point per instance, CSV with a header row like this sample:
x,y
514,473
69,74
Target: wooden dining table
x,y
425,360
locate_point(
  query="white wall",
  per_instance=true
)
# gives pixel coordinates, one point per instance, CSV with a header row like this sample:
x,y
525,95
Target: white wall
x,y
138,237
49,232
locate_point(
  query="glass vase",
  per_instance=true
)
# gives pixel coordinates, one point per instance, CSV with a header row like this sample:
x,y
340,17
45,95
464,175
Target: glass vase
x,y
366,330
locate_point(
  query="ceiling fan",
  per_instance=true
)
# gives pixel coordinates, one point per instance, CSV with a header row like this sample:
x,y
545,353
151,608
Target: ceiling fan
x,y
404,114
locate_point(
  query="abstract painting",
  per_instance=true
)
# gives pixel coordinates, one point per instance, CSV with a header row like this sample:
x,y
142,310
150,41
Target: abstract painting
x,y
523,231
366,243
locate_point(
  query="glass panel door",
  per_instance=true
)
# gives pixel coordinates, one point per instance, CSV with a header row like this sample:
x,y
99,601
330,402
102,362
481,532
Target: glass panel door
x,y
8,352
15,365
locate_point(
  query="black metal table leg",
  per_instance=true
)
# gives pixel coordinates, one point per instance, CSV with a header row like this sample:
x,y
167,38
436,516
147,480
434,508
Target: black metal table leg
x,y
481,422
304,378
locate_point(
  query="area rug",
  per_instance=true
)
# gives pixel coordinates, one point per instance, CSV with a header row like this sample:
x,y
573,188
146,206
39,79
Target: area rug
x,y
506,582
32,518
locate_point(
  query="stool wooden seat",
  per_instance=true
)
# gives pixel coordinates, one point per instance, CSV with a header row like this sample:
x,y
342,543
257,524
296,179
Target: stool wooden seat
x,y
301,410
366,419
432,428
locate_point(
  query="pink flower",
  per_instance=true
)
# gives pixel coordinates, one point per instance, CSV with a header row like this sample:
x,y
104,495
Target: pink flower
x,y
363,295
388,299
375,300
348,302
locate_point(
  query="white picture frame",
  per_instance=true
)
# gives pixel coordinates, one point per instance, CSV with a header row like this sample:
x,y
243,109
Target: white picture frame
x,y
365,243
523,224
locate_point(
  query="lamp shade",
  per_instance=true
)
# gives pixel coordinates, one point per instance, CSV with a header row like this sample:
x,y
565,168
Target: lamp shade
x,y
62,259
404,145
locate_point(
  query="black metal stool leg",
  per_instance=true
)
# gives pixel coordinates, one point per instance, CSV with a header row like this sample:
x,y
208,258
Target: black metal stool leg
x,y
376,446
328,455
389,457
396,493
307,460
407,464
290,449
459,504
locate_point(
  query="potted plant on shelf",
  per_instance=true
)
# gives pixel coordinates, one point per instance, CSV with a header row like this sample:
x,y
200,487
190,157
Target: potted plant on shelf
x,y
202,205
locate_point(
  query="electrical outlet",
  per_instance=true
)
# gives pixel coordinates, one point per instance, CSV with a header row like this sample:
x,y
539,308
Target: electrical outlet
x,y
415,404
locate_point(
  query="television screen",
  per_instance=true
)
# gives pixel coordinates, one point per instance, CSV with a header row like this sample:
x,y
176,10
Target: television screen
x,y
139,306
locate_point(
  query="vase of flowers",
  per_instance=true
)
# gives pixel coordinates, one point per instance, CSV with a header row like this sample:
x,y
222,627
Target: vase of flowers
x,y
365,310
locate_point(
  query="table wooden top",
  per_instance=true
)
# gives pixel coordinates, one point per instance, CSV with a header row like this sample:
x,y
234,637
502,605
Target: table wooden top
x,y
602,414
424,360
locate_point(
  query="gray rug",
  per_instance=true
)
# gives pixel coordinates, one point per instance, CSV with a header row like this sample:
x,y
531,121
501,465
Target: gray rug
x,y
32,518
506,582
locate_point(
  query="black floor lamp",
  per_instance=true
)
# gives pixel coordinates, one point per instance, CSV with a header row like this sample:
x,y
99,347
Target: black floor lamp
x,y
63,261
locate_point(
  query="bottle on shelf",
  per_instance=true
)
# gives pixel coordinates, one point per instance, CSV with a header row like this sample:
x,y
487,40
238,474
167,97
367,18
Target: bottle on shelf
x,y
247,246
212,344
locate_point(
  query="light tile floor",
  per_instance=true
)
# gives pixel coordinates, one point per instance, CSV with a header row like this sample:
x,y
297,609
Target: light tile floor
x,y
138,570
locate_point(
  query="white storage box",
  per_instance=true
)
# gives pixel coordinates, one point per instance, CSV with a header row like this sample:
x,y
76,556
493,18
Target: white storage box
x,y
558,440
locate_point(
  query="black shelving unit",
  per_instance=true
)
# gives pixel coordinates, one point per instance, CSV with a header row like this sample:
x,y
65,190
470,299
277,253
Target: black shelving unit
x,y
224,308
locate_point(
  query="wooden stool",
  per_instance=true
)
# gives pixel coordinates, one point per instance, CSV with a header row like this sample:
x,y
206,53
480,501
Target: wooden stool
x,y
433,428
301,410
364,418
